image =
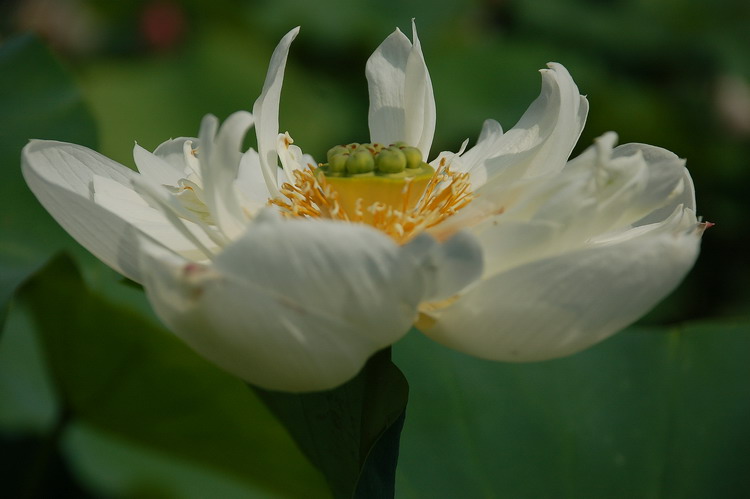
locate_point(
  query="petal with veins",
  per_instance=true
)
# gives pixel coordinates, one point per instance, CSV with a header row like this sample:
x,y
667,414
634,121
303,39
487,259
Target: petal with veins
x,y
402,105
560,305
61,177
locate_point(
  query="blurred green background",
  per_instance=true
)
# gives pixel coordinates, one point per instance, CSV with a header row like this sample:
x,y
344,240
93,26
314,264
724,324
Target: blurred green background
x,y
124,410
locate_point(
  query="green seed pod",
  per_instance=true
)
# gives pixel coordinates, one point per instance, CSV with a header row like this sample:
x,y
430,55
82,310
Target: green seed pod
x,y
360,162
413,157
337,163
335,151
390,160
400,143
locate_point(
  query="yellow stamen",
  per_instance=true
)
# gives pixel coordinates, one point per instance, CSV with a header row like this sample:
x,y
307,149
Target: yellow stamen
x,y
400,207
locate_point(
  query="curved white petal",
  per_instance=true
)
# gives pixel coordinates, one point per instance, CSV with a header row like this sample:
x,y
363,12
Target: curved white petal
x,y
542,139
61,177
560,305
220,159
402,104
173,152
266,112
663,166
292,305
604,190
250,183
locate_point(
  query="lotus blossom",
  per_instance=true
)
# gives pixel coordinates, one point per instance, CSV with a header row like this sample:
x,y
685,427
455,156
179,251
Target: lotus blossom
x,y
291,273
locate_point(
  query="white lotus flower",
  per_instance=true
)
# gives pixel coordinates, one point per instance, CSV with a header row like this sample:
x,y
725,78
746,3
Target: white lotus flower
x,y
292,277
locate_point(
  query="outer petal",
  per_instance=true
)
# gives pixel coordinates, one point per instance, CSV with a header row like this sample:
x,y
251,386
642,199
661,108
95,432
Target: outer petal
x,y
292,305
61,176
560,305
603,190
402,104
266,112
542,139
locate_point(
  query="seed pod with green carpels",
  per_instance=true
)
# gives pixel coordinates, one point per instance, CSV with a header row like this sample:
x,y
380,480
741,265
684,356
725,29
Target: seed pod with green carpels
x,y
337,163
360,161
413,157
336,150
390,160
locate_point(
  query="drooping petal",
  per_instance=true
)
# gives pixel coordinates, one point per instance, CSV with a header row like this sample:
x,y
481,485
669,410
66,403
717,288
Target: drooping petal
x,y
540,142
560,305
266,112
61,177
402,104
292,305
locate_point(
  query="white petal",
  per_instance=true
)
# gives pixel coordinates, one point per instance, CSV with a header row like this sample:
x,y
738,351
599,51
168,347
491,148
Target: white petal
x,y
447,267
60,176
664,165
473,159
250,183
292,305
563,304
542,139
155,168
602,191
173,152
266,111
402,104
129,205
220,159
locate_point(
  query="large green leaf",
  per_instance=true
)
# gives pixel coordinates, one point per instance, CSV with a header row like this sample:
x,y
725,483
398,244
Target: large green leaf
x,y
37,100
351,433
120,375
647,414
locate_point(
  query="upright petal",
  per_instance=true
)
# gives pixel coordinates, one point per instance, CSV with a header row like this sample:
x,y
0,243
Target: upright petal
x,y
220,159
266,112
560,305
292,305
542,139
402,104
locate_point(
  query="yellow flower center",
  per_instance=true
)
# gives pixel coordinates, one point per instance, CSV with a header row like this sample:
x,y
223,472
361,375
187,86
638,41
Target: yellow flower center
x,y
388,187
